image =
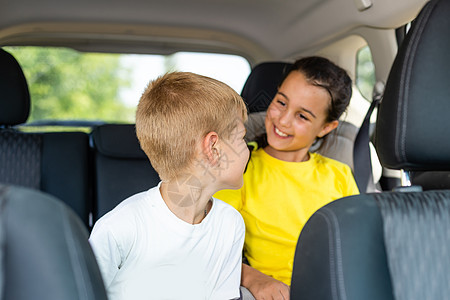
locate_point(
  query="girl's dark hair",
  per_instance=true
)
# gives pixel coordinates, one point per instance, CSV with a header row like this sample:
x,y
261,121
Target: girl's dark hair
x,y
321,72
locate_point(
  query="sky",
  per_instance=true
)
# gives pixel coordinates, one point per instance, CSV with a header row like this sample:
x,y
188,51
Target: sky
x,y
231,69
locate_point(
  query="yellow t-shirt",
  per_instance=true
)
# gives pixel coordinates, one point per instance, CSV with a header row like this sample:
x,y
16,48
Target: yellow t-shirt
x,y
277,199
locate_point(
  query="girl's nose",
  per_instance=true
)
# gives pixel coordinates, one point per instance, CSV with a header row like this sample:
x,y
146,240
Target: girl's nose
x,y
285,118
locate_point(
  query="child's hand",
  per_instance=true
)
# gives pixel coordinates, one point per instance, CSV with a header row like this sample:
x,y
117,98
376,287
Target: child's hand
x,y
264,287
269,288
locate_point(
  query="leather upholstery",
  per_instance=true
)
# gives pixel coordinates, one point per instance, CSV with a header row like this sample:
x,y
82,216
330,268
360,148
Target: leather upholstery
x,y
46,249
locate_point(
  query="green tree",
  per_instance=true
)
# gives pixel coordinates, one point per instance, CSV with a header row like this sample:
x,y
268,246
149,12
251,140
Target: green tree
x,y
365,72
66,84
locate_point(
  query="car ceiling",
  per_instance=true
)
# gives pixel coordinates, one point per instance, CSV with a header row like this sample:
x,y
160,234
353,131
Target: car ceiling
x,y
257,29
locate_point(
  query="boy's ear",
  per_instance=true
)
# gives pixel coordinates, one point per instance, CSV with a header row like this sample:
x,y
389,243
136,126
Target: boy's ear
x,y
210,147
328,127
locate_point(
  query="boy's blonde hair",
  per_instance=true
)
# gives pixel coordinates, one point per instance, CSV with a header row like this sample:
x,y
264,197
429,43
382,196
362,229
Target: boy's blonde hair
x,y
176,111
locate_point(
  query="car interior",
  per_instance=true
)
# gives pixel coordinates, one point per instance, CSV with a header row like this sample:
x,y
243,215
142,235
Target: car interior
x,y
377,245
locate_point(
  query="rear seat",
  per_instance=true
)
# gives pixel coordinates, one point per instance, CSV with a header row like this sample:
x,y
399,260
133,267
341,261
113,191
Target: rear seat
x,y
53,162
121,167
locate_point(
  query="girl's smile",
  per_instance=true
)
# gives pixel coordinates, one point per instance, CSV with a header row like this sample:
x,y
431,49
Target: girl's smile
x,y
280,133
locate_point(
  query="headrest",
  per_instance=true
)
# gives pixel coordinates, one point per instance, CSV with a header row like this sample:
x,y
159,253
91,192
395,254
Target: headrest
x,y
262,85
412,130
117,141
14,95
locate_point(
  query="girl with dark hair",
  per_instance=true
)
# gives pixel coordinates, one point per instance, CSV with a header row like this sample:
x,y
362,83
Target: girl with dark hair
x,y
285,183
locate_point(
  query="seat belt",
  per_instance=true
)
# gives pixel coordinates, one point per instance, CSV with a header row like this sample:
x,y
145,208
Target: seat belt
x,y
362,163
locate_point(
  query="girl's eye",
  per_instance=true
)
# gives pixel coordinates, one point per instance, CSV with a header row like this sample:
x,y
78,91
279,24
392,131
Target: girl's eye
x,y
304,117
281,103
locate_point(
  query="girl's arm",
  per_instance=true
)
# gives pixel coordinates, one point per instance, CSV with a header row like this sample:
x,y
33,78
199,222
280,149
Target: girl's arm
x,y
263,286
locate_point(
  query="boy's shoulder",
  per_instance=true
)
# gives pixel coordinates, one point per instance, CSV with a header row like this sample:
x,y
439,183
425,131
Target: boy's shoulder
x,y
228,220
225,207
131,203
226,211
128,209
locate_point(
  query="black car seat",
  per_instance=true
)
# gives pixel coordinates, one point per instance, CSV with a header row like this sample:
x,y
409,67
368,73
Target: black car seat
x,y
45,249
259,90
54,162
121,167
392,245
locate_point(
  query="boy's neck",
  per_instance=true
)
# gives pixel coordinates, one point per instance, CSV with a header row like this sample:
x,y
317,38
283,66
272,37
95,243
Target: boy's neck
x,y
186,198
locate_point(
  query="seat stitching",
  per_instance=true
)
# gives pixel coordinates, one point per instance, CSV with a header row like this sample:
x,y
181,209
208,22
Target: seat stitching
x,y
80,281
336,267
405,77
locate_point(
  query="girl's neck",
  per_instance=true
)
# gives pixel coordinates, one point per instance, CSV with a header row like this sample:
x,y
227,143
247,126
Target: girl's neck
x,y
290,156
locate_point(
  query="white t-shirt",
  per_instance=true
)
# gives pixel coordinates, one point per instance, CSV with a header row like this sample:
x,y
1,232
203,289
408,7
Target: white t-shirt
x,y
145,252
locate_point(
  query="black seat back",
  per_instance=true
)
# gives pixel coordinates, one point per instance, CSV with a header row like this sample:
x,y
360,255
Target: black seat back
x,y
54,162
121,167
14,94
45,249
392,245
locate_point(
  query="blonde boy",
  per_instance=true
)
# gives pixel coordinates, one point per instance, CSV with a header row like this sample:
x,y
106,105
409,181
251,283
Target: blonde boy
x,y
175,241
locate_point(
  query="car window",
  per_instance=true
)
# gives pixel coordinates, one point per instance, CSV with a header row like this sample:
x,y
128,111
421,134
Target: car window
x,y
365,72
66,84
